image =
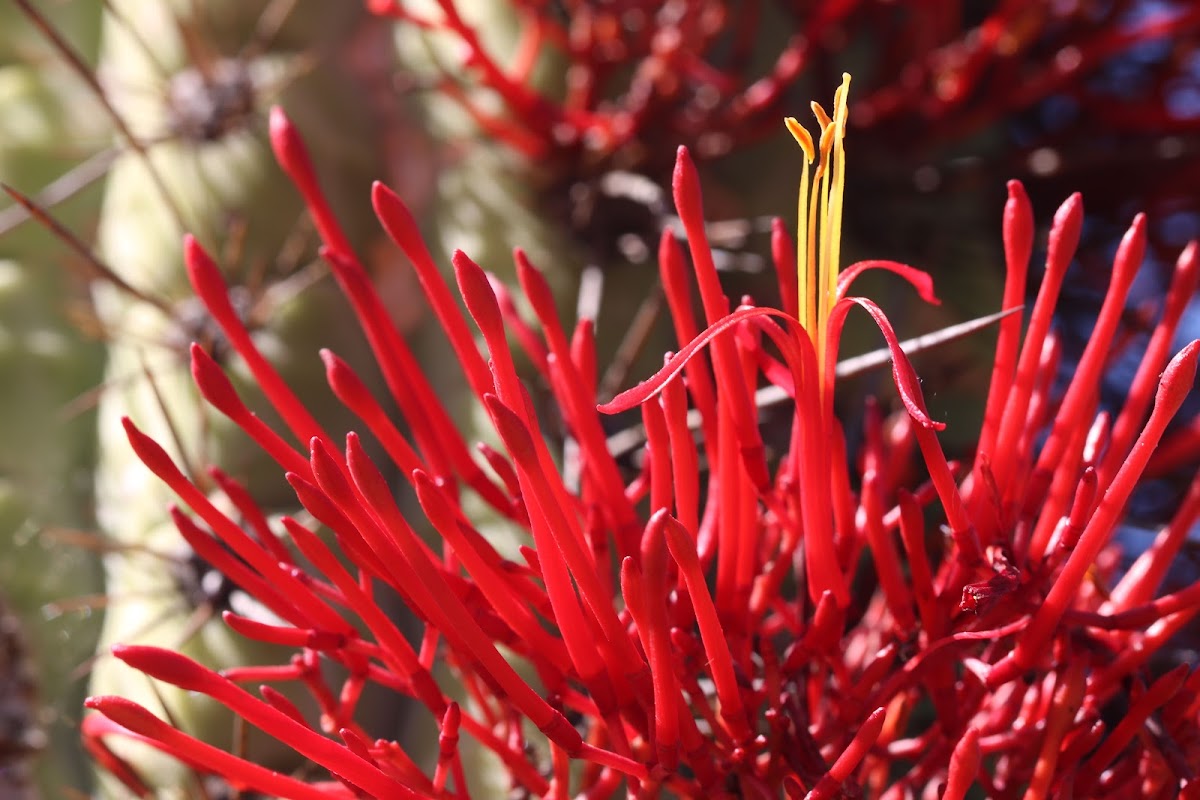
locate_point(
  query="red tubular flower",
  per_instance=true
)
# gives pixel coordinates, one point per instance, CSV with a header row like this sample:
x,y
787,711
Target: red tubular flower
x,y
741,649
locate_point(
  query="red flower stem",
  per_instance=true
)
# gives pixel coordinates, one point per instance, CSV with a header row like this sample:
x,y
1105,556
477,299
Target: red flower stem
x,y
733,394
400,225
140,724
1140,617
1179,713
1064,238
210,287
677,289
480,300
281,703
850,758
483,564
181,671
354,395
503,469
578,404
661,655
447,747
1075,407
1018,247
844,501
432,426
749,539
567,612
311,610
92,730
821,563
728,518
1159,693
1081,509
912,534
658,450
1173,388
1064,492
1142,580
1067,699
248,508
289,637
883,547
448,612
1136,653
583,354
560,540
684,457
527,338
720,661
783,256
325,511
218,390
534,110
964,766
209,549
406,559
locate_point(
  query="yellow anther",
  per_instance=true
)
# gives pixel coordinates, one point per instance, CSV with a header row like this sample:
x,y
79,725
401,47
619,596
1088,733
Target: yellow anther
x,y
819,225
801,136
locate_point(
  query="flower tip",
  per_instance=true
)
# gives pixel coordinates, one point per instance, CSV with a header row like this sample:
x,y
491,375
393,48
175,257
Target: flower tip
x,y
1178,378
1070,213
316,447
279,120
165,665
282,134
1188,256
395,216
194,254
802,137
685,186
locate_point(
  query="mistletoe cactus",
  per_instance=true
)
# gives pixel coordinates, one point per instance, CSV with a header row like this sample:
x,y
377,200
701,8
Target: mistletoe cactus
x,y
719,621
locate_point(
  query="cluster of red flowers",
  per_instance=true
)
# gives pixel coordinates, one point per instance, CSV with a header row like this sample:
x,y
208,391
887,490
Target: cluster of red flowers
x,y
643,75
794,627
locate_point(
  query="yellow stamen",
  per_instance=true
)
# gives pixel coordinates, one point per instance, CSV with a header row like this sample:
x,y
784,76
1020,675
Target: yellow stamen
x,y
805,141
819,224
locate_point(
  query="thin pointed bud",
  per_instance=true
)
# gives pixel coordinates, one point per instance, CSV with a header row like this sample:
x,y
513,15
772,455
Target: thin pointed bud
x,y
689,203
720,661
292,155
218,390
208,283
1177,380
662,662
1064,238
400,225
1090,370
1132,721
138,720
848,761
1018,249
178,670
964,765
354,394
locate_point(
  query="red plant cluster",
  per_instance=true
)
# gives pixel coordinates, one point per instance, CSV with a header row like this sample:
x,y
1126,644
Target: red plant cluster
x,y
641,75
798,627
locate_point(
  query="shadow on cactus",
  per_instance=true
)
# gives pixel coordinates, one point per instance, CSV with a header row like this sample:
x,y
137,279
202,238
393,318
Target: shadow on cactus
x,y
817,625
